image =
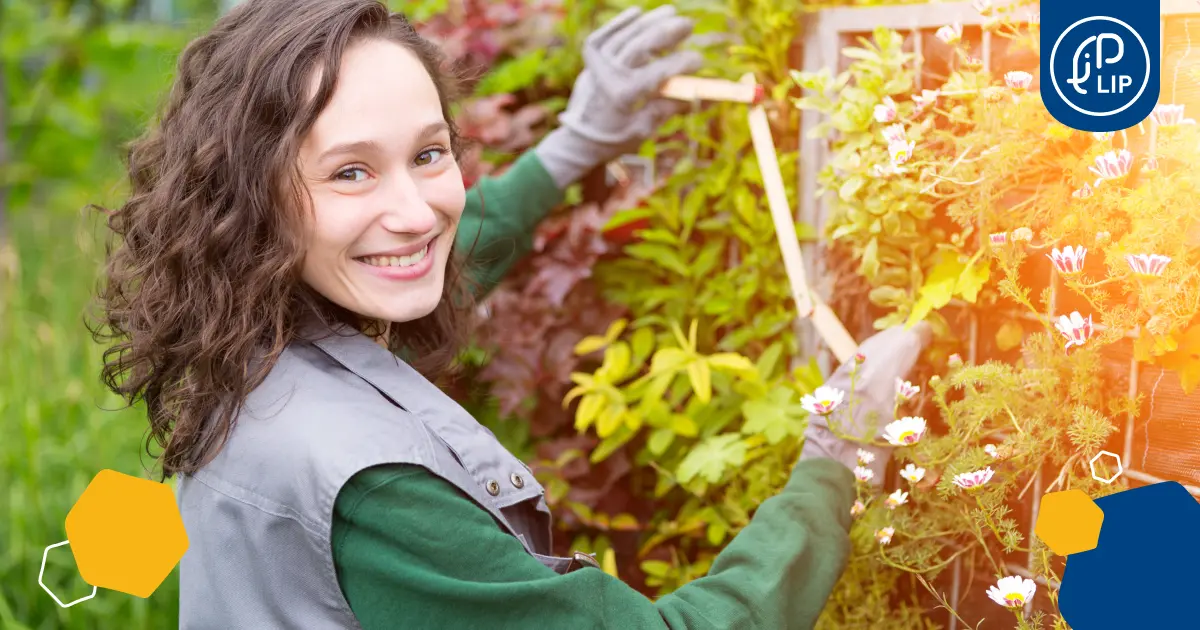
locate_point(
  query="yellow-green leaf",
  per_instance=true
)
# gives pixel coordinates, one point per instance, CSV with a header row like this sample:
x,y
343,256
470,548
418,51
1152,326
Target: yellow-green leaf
x,y
660,441
731,362
701,377
938,288
614,330
972,279
589,407
1009,336
609,564
678,332
624,522
616,361
869,266
684,425
590,344
608,420
692,335
668,360
643,344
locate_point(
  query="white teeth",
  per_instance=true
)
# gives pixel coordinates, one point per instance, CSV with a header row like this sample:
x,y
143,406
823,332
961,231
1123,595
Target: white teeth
x,y
396,261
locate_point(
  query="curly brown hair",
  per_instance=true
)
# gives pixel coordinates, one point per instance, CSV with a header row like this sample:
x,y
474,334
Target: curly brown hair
x,y
202,291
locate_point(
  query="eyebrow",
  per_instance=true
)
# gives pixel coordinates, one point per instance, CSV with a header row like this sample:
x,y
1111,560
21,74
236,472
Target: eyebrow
x,y
373,146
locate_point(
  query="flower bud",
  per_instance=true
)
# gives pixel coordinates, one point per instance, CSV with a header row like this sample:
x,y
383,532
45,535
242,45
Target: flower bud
x,y
955,361
1022,234
1103,238
859,358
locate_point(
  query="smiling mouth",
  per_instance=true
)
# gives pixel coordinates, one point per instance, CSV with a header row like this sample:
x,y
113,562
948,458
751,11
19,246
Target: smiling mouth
x,y
396,261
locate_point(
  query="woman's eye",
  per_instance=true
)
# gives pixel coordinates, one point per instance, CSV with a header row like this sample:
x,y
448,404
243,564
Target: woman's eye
x,y
351,175
428,156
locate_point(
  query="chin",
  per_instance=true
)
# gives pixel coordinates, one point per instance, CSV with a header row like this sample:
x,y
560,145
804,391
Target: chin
x,y
410,304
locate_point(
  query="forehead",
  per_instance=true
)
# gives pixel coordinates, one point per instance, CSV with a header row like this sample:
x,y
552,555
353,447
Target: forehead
x,y
383,93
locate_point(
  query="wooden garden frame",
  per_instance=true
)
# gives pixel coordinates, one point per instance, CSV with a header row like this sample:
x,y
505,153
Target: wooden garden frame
x,y
825,34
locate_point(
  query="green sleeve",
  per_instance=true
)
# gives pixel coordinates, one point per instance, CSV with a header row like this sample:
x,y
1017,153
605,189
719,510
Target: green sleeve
x,y
410,548
496,229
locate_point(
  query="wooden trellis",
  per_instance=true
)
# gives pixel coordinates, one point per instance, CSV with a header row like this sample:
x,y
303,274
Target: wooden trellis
x,y
826,33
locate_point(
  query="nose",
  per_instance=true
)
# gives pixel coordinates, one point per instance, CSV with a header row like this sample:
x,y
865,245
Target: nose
x,y
405,210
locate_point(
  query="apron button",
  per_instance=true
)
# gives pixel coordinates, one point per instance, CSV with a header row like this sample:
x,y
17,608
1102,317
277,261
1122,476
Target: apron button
x,y
517,481
493,488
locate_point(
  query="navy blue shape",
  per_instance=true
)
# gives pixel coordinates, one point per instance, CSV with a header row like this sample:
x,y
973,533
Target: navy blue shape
x,y
1101,62
1142,572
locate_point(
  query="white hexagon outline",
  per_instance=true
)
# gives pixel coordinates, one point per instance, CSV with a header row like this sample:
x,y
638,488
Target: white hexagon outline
x,y
46,554
1092,467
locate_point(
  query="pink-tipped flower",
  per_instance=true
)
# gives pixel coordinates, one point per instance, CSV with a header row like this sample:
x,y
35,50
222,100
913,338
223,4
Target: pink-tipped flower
x,y
1151,164
823,401
905,431
1166,115
885,112
998,238
1103,238
972,63
896,499
863,474
1112,165
884,536
906,390
1147,265
860,358
974,479
950,34
925,99
894,133
901,151
1018,80
1069,261
1084,193
865,457
857,509
1012,592
1075,328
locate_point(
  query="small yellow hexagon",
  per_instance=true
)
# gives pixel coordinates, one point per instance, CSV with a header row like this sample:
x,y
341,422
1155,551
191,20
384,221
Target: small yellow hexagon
x,y
126,533
1069,522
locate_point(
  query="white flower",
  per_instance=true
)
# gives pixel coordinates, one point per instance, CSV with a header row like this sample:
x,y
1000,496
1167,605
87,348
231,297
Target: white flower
x,y
1112,165
1147,265
905,431
1103,136
884,536
894,133
1069,261
823,401
950,34
974,479
912,473
1075,328
863,473
906,390
857,509
1012,591
1022,234
885,112
1018,80
886,170
991,449
896,499
1083,193
865,457
1165,115
925,99
998,238
901,151
1102,237
983,6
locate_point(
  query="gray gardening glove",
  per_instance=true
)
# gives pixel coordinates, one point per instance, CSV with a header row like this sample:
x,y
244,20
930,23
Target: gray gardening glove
x,y
889,355
614,105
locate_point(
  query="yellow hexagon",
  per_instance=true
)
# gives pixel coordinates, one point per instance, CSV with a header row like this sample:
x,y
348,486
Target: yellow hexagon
x,y
126,533
1069,522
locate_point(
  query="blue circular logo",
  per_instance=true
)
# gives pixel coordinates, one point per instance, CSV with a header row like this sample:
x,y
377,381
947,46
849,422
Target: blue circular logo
x,y
1099,66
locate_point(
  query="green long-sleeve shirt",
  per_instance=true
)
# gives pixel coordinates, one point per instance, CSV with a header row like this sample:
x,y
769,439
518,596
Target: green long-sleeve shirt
x,y
412,551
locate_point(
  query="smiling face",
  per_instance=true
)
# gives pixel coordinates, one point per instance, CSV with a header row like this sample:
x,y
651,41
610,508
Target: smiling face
x,y
386,191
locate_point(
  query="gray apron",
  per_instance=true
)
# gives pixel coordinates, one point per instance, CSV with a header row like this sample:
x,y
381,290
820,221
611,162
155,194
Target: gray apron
x,y
258,517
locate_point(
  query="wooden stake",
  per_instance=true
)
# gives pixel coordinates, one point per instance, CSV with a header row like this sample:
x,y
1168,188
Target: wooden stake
x,y
688,88
809,305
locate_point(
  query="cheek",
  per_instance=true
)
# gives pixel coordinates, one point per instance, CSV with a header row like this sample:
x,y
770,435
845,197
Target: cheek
x,y
333,225
446,193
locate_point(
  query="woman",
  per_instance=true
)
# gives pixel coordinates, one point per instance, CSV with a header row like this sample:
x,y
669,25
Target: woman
x,y
294,224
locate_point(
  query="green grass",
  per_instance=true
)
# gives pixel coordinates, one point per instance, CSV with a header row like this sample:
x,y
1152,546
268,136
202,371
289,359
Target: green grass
x,y
58,428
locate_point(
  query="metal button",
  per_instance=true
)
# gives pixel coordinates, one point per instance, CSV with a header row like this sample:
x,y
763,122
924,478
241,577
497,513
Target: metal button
x,y
516,480
493,488
585,560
